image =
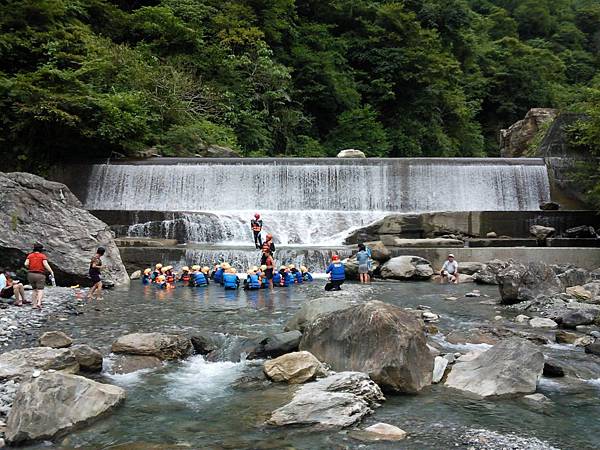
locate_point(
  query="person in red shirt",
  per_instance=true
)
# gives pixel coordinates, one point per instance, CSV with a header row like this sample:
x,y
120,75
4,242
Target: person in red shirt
x,y
37,266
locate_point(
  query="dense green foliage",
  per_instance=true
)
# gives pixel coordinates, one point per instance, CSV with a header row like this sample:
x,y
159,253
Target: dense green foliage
x,y
89,78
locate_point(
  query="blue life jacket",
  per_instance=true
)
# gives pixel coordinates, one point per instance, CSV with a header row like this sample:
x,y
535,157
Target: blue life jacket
x,y
299,278
146,279
288,279
231,281
277,278
337,271
253,282
307,276
218,276
199,279
265,282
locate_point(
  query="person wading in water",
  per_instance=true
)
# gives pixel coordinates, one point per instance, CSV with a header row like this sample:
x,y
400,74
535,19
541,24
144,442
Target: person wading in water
x,y
256,225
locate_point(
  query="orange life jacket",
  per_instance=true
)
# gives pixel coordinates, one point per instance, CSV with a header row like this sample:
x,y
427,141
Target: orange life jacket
x,y
256,225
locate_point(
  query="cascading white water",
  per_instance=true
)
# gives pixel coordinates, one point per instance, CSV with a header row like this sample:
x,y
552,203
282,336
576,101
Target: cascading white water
x,y
309,201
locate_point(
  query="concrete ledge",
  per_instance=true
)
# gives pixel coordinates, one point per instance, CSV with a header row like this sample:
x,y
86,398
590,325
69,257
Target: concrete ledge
x,y
475,243
564,242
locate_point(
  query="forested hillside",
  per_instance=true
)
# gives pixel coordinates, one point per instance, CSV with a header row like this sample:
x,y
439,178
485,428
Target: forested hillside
x,y
86,78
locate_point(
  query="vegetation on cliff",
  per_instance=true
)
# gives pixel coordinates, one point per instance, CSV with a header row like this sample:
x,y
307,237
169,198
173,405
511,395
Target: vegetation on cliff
x,y
90,78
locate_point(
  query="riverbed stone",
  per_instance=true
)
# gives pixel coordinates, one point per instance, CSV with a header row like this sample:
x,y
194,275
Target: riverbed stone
x,y
537,398
522,282
312,309
55,339
439,368
55,402
123,364
470,268
593,348
161,345
338,401
294,368
136,275
541,232
380,432
20,364
407,268
575,318
48,212
510,367
488,274
377,338
278,344
89,359
566,337
553,369
542,322
580,293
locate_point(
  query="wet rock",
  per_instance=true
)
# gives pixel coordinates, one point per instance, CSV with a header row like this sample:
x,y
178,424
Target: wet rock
x,y
541,233
163,346
55,339
351,153
580,293
312,309
205,342
19,364
593,348
470,268
380,432
572,319
123,364
279,344
379,252
580,232
380,339
521,282
549,206
565,337
56,402
136,275
552,369
473,294
89,359
510,367
439,368
61,214
521,318
541,322
407,268
491,235
571,276
340,400
594,289
294,368
537,398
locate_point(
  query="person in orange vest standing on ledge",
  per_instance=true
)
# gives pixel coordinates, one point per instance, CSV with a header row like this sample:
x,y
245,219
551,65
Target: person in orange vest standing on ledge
x,y
256,225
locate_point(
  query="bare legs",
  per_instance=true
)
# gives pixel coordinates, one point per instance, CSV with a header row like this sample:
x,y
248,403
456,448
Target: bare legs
x,y
95,291
36,298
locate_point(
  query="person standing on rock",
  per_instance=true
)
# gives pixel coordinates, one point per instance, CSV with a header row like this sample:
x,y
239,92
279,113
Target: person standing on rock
x,y
337,274
94,272
256,225
450,269
362,258
37,265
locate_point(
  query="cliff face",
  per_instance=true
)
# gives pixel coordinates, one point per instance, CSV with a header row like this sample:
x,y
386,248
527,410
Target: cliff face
x,y
515,139
36,210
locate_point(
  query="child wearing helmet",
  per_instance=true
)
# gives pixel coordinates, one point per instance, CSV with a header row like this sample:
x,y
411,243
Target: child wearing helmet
x,y
185,274
256,226
157,271
147,276
337,274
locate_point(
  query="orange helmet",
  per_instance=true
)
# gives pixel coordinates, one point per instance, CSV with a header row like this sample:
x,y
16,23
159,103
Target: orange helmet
x,y
335,258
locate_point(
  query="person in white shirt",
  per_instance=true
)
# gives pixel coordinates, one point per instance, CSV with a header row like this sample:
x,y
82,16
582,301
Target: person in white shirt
x,y
450,269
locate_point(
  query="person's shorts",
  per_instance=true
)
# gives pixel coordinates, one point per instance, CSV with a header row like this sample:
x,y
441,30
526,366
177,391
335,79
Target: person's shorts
x,y
449,276
269,274
36,280
95,277
7,292
363,268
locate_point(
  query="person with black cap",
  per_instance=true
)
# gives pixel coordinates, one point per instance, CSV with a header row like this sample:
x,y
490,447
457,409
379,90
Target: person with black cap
x,y
450,269
94,272
37,265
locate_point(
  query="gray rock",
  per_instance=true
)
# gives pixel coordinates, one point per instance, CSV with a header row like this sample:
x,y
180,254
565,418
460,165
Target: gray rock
x,y
515,140
379,252
549,206
294,368
55,339
488,274
439,368
163,346
380,432
351,153
565,337
279,344
491,235
572,319
89,359
540,232
19,364
206,342
407,268
580,232
542,322
520,282
511,367
395,241
538,398
217,151
552,369
56,402
377,338
572,276
593,348
470,268
339,400
123,364
312,309
46,211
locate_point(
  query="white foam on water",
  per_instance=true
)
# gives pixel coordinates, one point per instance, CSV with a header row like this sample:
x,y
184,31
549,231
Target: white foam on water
x,y
197,382
466,347
594,382
550,384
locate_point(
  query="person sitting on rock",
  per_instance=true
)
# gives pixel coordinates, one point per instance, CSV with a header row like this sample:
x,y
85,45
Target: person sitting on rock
x,y
10,287
337,274
450,270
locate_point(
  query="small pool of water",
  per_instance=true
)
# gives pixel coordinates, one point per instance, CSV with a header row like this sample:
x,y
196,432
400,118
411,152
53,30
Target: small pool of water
x,y
200,404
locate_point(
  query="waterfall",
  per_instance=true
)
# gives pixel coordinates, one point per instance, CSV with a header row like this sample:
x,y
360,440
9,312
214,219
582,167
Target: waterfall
x,y
307,201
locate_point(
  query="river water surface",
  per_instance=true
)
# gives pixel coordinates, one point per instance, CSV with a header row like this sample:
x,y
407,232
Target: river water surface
x,y
222,405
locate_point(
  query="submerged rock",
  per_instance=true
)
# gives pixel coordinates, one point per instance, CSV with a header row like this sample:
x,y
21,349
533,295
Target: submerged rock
x,y
123,364
161,345
340,400
380,339
56,402
294,368
407,268
380,432
20,364
55,339
510,367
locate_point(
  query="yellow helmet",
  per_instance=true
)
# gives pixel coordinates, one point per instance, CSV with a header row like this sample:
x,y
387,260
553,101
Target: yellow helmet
x,y
185,269
160,278
225,265
291,266
303,269
158,266
195,267
147,271
232,270
205,269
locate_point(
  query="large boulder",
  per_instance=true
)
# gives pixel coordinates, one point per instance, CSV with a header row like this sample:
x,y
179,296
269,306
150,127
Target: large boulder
x,y
377,338
515,140
339,400
379,252
470,268
572,319
161,345
511,367
407,268
294,368
522,282
89,359
580,293
541,232
55,402
20,364
488,275
44,211
351,267
312,309
351,153
55,339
